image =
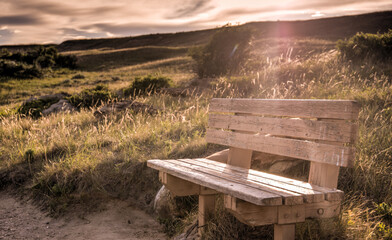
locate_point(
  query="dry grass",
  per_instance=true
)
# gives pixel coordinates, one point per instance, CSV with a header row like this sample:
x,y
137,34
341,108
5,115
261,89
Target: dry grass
x,y
65,157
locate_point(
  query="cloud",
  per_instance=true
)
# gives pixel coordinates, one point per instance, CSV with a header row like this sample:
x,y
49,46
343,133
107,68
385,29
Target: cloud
x,y
190,9
140,28
5,35
20,20
74,33
61,9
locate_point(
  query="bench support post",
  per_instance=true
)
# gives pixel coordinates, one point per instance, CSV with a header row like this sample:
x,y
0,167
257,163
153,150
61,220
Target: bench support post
x,y
284,231
206,207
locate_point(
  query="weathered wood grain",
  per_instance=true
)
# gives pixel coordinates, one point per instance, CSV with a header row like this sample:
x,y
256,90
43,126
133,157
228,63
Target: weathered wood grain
x,y
337,109
341,131
289,196
331,194
287,189
318,152
238,190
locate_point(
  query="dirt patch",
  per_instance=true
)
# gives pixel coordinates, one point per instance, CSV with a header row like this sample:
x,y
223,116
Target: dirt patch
x,y
20,219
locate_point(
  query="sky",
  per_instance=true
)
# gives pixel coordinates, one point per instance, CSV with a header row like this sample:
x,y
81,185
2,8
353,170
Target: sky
x,y
54,21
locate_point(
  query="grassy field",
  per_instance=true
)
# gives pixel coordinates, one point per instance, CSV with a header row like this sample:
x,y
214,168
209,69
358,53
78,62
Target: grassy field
x,y
76,158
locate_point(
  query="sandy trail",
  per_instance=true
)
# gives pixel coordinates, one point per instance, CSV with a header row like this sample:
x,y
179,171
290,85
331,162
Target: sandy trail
x,y
19,219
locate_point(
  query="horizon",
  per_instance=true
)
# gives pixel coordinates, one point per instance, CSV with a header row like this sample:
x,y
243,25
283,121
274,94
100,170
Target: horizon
x,y
50,22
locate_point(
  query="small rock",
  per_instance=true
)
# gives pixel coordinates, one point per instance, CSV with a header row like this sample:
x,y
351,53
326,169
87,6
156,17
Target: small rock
x,y
61,106
164,203
56,96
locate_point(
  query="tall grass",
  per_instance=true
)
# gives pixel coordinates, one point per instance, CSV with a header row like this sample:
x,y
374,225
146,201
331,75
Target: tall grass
x,y
70,157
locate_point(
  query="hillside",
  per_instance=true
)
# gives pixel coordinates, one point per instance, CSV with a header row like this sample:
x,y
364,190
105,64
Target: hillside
x,y
325,28
77,161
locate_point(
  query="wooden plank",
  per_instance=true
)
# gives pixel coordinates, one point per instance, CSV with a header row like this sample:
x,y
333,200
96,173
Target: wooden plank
x,y
240,157
341,131
290,197
318,152
323,175
284,232
309,195
331,194
180,187
337,109
206,208
255,215
216,183
324,209
243,212
291,214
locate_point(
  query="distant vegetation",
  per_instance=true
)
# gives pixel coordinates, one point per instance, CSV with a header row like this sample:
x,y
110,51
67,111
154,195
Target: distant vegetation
x,y
226,53
93,97
366,46
33,63
147,85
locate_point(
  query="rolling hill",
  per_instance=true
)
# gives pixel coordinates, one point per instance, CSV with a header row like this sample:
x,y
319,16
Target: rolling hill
x,y
325,28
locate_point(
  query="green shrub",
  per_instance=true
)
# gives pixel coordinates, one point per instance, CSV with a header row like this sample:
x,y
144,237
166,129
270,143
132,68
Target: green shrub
x,y
366,46
91,97
385,210
66,61
384,232
14,69
32,63
226,53
147,84
35,107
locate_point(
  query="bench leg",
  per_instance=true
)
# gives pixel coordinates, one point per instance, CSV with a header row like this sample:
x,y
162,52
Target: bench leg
x,y
206,207
284,231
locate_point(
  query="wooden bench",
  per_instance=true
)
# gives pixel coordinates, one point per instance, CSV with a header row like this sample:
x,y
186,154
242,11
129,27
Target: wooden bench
x,y
319,131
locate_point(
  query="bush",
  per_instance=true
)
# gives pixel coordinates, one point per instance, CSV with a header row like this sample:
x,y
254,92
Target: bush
x,y
66,61
366,46
147,84
91,97
32,63
226,53
35,107
19,70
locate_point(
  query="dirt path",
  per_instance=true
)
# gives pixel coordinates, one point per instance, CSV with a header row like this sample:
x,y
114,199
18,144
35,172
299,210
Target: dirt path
x,y
118,220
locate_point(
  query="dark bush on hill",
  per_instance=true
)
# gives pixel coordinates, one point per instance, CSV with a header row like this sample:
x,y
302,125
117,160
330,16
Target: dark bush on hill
x,y
19,70
366,46
33,63
226,53
92,97
147,84
66,61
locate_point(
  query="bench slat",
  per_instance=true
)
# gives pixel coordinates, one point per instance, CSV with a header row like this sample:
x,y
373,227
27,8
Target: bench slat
x,y
336,109
289,197
331,194
318,152
289,190
215,182
296,128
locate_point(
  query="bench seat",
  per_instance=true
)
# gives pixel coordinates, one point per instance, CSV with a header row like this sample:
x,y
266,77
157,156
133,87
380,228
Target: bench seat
x,y
259,188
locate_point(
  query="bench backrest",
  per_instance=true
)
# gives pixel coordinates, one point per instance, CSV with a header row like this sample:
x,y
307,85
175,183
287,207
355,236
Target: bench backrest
x,y
320,131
